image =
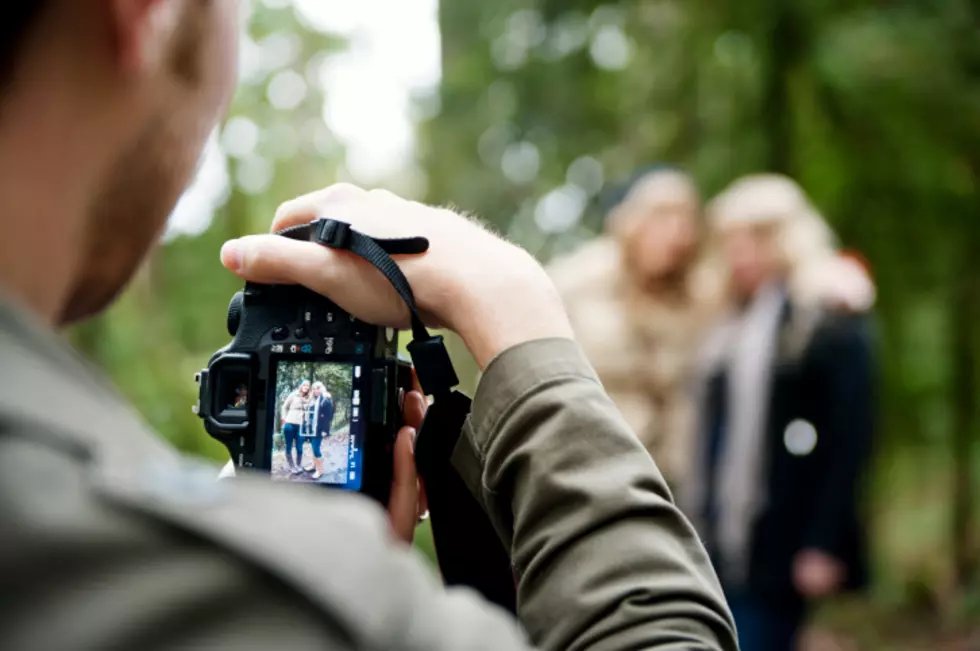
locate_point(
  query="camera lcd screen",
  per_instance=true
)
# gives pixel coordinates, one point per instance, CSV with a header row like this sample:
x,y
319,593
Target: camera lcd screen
x,y
316,429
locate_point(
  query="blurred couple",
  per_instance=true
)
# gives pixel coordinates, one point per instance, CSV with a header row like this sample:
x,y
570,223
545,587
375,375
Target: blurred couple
x,y
736,341
307,414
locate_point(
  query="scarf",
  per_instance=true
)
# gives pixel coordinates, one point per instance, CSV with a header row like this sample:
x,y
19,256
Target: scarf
x,y
747,344
312,421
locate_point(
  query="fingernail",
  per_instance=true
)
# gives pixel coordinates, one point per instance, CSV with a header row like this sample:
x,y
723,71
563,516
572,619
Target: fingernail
x,y
231,255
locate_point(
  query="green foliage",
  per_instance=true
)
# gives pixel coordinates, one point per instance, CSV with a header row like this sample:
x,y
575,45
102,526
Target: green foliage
x,y
872,106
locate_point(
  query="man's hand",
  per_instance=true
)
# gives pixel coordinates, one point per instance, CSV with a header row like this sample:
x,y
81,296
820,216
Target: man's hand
x,y
817,574
492,293
408,501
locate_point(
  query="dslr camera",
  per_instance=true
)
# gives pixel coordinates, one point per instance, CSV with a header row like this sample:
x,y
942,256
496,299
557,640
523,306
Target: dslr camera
x,y
305,392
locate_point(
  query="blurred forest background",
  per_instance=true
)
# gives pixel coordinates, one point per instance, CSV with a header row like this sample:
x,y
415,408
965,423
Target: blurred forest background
x,y
543,106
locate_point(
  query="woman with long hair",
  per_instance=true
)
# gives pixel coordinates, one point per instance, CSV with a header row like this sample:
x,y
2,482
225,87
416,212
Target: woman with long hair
x,y
638,297
319,418
292,416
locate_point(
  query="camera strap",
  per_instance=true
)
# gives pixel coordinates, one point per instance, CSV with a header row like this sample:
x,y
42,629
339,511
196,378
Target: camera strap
x,y
467,546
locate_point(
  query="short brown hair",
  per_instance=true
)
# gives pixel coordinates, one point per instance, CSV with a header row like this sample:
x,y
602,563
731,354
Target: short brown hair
x,y
17,18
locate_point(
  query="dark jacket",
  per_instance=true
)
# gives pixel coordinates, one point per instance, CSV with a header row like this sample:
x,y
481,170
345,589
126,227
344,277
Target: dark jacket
x,y
324,416
109,539
813,493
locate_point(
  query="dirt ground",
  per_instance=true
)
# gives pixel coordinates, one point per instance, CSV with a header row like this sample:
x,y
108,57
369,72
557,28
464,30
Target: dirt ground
x,y
335,449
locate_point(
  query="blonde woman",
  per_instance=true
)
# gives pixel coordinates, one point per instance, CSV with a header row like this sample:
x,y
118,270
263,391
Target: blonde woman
x,y
319,419
638,298
785,412
292,417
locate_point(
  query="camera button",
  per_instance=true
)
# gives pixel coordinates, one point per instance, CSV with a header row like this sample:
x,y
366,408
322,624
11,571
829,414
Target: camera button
x,y
235,308
280,333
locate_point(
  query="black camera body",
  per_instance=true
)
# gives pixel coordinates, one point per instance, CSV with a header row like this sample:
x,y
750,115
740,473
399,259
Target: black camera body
x,y
305,392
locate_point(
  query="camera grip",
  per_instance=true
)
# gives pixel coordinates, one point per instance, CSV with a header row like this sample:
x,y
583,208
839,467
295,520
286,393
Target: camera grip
x,y
468,549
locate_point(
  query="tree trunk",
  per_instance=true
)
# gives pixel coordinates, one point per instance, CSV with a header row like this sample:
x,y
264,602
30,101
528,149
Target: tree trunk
x,y
785,43
964,311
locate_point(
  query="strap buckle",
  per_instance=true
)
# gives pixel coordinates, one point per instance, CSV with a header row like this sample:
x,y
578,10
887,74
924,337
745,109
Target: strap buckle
x,y
432,363
333,234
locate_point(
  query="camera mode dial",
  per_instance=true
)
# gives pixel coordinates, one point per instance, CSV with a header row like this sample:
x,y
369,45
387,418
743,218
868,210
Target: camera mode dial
x,y
235,313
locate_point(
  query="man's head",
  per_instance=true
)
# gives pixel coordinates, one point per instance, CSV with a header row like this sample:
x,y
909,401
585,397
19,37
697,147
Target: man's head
x,y
107,105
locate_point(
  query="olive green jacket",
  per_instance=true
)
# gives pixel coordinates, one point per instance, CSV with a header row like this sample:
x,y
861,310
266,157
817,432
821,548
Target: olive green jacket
x,y
110,540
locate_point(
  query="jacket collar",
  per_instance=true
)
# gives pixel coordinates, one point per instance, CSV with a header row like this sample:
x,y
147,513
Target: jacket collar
x,y
47,386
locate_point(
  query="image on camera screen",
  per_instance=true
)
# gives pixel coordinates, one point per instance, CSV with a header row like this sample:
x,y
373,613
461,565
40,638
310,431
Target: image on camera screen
x,y
316,424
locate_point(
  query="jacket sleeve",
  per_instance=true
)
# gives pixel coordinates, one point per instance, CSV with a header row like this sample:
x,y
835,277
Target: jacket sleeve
x,y
847,373
604,558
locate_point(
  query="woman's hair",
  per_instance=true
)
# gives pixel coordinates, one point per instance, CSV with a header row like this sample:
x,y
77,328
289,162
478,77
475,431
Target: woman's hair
x,y
301,383
777,204
649,192
320,386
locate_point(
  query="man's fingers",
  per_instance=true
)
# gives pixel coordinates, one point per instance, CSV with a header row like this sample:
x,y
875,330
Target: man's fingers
x,y
305,209
413,411
275,259
352,283
416,385
404,503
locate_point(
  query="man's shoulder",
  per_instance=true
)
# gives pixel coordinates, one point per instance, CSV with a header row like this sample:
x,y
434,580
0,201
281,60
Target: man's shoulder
x,y
165,532
108,524
69,440
47,387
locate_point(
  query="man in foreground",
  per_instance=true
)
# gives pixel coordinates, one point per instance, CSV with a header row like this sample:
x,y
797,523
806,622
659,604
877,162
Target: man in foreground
x,y
110,540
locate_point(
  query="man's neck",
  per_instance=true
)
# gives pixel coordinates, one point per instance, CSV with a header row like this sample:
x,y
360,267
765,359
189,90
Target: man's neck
x,y
48,166
36,257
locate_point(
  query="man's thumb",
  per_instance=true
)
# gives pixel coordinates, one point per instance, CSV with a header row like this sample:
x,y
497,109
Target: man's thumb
x,y
273,259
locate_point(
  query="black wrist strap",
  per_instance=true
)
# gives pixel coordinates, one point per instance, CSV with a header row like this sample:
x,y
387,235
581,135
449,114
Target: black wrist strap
x,y
432,364
467,546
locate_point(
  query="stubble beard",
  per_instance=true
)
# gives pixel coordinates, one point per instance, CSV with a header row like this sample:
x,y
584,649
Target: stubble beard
x,y
130,212
127,218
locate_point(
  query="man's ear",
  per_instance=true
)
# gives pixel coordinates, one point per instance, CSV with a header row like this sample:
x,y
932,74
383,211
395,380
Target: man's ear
x,y
143,31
